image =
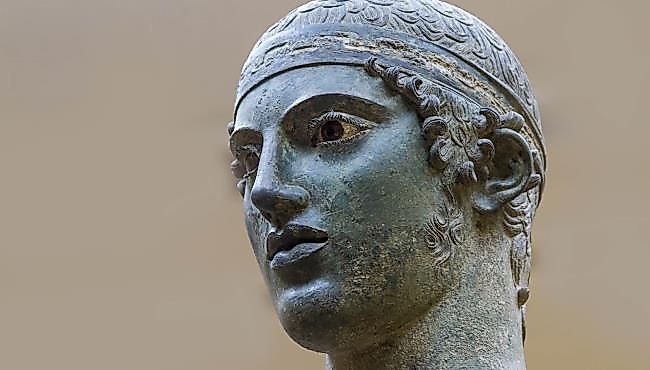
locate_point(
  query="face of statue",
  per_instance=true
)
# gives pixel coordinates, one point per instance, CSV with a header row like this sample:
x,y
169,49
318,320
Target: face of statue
x,y
337,196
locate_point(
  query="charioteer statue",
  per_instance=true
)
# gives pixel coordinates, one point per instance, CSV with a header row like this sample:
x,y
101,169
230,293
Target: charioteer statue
x,y
391,160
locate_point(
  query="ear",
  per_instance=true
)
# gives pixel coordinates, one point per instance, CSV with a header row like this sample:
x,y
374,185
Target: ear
x,y
506,172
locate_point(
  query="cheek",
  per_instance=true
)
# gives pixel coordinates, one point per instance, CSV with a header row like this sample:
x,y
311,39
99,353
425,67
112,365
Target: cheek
x,y
387,184
384,195
256,228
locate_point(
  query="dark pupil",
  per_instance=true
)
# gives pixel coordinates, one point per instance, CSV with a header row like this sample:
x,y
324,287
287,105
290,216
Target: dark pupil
x,y
251,162
331,130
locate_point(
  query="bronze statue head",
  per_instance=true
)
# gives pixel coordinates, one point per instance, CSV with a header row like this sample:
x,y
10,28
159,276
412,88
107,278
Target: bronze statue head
x,y
391,160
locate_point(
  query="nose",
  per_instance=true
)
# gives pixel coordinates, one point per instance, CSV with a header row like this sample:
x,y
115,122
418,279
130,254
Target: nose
x,y
278,203
276,199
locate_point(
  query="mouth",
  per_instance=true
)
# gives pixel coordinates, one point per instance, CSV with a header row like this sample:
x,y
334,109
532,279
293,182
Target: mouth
x,y
293,243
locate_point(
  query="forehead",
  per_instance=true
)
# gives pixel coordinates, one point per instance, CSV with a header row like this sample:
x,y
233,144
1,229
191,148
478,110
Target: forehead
x,y
273,98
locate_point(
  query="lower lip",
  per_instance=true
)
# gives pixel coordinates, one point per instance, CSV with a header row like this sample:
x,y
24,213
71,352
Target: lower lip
x,y
295,254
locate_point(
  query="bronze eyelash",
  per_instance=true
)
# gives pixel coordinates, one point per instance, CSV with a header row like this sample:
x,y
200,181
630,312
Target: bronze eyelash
x,y
338,116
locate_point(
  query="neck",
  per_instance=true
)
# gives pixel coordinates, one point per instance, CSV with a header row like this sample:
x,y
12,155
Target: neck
x,y
475,326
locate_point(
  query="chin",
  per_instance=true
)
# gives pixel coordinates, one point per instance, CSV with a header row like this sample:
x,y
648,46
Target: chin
x,y
309,313
320,318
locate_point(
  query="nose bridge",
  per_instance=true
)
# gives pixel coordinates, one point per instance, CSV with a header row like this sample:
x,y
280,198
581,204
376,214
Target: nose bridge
x,y
273,192
268,167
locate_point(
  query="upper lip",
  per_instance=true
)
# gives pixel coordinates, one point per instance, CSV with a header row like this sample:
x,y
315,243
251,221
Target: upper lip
x,y
290,236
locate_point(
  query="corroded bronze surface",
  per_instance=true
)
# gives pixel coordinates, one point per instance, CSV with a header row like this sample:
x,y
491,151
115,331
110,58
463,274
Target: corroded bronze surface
x,y
391,159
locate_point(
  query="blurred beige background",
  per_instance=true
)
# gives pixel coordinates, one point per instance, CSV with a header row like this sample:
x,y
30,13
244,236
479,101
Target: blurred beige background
x,y
121,237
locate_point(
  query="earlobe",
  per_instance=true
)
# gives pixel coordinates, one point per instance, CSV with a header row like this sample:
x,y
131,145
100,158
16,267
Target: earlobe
x,y
504,164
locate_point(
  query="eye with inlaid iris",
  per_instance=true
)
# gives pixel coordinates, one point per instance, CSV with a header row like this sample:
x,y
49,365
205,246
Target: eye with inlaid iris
x,y
332,131
336,127
251,161
248,158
